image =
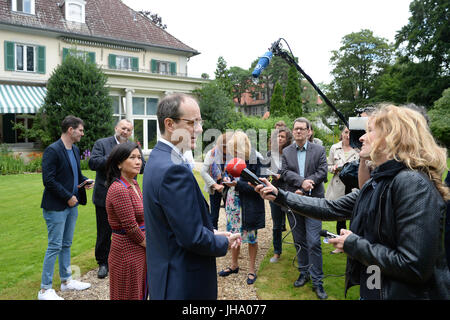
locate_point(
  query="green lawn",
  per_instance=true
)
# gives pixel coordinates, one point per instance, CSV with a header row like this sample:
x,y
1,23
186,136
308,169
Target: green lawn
x,y
23,243
275,280
24,236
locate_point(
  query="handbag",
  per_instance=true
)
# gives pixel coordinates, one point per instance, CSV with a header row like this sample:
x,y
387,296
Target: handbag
x,y
349,174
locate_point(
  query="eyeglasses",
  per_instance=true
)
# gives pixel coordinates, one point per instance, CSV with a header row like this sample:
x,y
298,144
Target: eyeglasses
x,y
191,122
300,129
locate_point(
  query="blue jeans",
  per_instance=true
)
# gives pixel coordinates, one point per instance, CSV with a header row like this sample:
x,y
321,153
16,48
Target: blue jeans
x,y
60,229
277,218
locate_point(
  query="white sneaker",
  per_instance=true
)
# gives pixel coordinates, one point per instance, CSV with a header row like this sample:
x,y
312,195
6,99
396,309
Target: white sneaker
x,y
75,285
274,259
48,294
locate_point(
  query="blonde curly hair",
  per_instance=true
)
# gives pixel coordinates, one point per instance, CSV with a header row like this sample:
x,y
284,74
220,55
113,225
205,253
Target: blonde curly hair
x,y
239,145
405,136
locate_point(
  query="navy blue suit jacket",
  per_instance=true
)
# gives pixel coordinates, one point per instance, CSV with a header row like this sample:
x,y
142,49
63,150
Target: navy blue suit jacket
x,y
181,245
99,156
57,176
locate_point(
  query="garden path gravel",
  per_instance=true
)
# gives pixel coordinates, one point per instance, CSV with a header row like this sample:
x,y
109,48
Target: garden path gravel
x,y
233,287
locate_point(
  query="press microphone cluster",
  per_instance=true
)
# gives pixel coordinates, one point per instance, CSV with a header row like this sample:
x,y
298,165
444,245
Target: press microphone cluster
x,y
237,168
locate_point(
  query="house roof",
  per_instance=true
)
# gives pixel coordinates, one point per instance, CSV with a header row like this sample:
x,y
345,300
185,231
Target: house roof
x,y
109,20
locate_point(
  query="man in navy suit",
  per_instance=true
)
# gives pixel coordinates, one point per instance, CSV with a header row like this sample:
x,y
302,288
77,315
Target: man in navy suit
x,y
61,175
182,245
100,152
303,170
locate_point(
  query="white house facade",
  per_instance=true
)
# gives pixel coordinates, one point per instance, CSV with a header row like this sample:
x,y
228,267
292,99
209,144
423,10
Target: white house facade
x,y
142,61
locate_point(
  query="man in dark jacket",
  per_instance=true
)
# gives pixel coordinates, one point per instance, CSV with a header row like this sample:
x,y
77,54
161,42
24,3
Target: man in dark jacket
x,y
62,177
303,170
100,152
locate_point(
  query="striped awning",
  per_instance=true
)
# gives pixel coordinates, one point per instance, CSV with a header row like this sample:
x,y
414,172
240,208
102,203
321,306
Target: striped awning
x,y
21,99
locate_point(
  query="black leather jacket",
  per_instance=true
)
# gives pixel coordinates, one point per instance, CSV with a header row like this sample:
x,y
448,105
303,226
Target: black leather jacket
x,y
410,228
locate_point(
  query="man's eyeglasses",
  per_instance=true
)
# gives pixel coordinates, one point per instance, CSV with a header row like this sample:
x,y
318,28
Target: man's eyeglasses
x,y
300,129
191,122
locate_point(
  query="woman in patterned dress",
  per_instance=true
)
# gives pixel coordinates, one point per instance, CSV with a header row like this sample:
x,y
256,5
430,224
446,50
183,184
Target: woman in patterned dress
x,y
244,211
127,264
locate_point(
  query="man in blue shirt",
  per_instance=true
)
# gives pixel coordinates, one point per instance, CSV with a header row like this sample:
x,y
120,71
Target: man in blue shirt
x,y
303,170
61,175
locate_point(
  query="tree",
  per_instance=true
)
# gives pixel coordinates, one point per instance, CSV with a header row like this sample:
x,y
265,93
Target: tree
x,y
154,17
427,33
76,87
356,66
277,71
277,103
293,91
440,118
422,70
216,106
240,81
222,75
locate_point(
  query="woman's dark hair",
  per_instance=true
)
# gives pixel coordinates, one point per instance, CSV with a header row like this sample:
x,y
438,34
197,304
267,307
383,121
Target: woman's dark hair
x,y
119,154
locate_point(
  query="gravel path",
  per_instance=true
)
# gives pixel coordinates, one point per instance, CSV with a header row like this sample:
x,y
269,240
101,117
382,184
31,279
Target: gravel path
x,y
233,287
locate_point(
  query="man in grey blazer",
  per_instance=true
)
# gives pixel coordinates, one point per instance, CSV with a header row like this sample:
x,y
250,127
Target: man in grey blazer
x,y
303,170
100,152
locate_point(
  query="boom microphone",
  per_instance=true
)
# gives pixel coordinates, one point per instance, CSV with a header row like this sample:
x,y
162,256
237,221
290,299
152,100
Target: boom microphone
x,y
262,64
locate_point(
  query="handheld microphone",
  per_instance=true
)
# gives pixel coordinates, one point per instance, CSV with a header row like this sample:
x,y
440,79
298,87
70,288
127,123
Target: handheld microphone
x,y
262,64
237,168
327,234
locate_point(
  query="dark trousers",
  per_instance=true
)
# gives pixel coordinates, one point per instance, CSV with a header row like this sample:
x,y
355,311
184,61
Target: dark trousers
x,y
103,242
278,217
214,205
306,234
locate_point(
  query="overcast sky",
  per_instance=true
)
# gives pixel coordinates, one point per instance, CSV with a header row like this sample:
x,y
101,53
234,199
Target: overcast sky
x,y
242,30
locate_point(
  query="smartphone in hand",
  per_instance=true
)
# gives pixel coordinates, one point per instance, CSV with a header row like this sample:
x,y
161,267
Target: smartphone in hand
x,y
86,182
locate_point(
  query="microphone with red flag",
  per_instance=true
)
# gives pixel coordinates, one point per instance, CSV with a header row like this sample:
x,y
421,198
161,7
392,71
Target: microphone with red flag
x,y
237,168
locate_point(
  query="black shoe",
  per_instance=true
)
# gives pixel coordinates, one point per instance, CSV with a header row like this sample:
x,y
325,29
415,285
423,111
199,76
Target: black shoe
x,y
251,281
320,292
102,271
226,272
301,281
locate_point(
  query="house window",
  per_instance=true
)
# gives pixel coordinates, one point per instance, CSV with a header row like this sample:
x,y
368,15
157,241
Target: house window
x,y
123,62
145,122
163,67
85,55
25,58
75,10
24,6
118,109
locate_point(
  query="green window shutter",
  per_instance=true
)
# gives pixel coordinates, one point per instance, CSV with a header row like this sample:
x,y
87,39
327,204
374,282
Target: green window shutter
x,y
173,68
112,61
154,65
41,59
135,64
91,56
65,53
9,56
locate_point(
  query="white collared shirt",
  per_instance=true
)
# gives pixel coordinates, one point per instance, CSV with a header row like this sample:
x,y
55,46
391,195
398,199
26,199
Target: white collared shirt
x,y
187,156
